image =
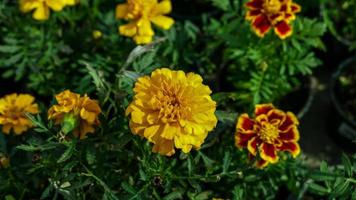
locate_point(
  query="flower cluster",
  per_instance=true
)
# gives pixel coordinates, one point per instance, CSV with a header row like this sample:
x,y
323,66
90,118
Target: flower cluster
x,y
267,14
42,7
13,108
75,113
271,131
172,110
141,13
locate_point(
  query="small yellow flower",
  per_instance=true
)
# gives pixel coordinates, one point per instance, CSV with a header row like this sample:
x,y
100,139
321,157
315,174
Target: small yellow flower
x,y
42,7
172,110
97,34
12,112
141,13
75,113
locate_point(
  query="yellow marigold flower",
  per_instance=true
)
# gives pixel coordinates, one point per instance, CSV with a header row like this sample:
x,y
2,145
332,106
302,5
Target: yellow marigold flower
x,y
141,13
172,109
271,131
75,113
267,14
12,112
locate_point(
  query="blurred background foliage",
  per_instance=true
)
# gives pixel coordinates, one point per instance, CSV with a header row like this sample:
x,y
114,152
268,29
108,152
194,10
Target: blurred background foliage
x,y
210,37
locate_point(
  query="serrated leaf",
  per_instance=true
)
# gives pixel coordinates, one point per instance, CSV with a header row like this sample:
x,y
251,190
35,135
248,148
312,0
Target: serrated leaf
x,y
174,195
318,189
226,161
128,188
347,164
9,49
68,153
340,189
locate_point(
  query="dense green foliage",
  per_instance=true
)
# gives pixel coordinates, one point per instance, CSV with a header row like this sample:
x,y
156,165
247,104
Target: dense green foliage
x,y
44,58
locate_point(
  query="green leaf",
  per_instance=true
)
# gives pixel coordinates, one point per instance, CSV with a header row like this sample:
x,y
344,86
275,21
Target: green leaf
x,y
174,195
226,117
203,195
221,4
128,188
9,49
347,164
340,189
226,161
318,189
69,152
90,156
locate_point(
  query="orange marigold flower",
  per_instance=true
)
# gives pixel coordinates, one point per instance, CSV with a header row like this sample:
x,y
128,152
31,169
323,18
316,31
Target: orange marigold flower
x,y
75,113
141,13
271,131
267,14
13,108
172,110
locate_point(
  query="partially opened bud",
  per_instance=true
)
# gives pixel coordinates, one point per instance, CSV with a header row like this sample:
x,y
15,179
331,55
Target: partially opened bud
x,y
4,161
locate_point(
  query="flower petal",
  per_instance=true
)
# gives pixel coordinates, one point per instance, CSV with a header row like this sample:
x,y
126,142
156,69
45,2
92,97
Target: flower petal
x,y
252,145
241,139
244,123
291,147
41,13
283,29
276,116
261,25
163,7
289,121
252,14
261,163
121,11
263,109
254,4
128,30
164,147
163,21
55,5
268,153
295,8
291,135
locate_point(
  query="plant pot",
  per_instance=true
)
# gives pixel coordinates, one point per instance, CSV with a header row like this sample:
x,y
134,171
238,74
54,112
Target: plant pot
x,y
300,99
343,96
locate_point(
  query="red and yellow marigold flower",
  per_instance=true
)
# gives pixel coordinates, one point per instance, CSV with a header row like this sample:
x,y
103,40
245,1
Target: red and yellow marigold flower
x,y
13,108
276,14
140,14
75,113
269,132
172,109
42,7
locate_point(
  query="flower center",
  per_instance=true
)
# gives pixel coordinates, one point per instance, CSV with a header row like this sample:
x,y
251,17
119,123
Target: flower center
x,y
269,132
171,105
272,6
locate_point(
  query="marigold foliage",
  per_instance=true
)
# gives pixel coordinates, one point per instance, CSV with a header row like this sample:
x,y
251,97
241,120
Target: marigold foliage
x,y
172,109
276,14
13,108
269,132
140,14
76,113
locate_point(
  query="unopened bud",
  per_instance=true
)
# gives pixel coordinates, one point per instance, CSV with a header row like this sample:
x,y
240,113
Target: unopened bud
x,y
70,122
